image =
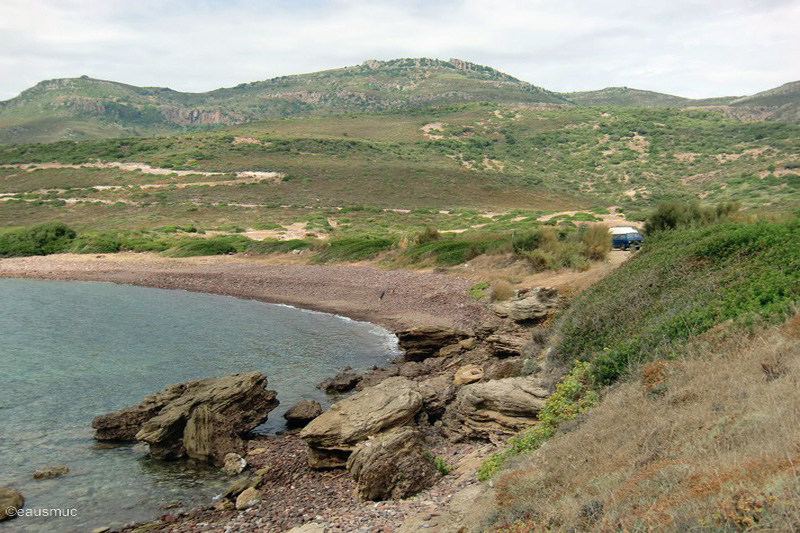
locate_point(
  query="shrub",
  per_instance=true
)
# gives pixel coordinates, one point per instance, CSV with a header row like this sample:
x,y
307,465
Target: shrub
x,y
671,215
596,242
40,239
501,290
427,235
356,248
478,290
221,245
274,246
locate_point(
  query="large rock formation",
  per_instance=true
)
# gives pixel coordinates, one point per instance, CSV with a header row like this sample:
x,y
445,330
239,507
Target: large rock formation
x,y
534,304
203,419
496,408
392,466
423,342
336,432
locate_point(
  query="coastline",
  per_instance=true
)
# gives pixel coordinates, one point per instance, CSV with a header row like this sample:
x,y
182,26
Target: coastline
x,y
354,291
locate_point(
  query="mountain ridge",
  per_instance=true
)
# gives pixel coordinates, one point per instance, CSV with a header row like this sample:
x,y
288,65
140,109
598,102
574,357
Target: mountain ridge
x,y
84,107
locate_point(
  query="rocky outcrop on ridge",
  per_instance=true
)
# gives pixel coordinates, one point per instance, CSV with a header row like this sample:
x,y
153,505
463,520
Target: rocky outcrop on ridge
x,y
203,420
422,342
533,304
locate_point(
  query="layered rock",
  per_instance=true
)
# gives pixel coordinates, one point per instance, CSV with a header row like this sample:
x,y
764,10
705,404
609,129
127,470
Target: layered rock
x,y
333,435
531,305
344,381
203,420
423,342
392,466
496,408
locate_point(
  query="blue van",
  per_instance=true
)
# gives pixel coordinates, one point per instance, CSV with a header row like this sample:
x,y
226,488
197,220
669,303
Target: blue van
x,y
626,238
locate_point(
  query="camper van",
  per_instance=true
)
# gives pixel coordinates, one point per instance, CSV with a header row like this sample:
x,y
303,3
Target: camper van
x,y
626,238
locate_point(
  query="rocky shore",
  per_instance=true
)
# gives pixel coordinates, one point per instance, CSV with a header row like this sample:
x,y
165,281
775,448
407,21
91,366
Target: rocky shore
x,y
400,451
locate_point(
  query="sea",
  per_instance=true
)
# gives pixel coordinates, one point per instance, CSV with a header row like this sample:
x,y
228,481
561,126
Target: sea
x,y
72,350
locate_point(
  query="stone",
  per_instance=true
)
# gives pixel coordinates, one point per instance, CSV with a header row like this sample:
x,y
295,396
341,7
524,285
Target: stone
x,y
302,413
234,464
344,381
11,501
52,471
469,343
336,432
392,466
203,419
104,529
493,409
450,350
248,498
422,342
436,392
508,344
534,304
468,374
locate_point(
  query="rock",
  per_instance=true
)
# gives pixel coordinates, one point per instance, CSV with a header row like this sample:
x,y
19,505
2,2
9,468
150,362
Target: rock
x,y
507,344
302,413
248,498
11,501
53,471
451,350
423,342
535,304
392,466
467,374
436,393
493,409
468,344
202,419
224,505
411,369
101,529
239,486
344,381
336,432
234,464
310,527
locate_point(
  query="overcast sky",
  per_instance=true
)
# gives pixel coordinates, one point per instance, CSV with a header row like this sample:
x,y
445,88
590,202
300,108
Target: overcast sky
x,y
694,48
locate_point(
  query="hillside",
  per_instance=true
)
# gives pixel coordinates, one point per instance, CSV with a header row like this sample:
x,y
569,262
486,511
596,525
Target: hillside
x,y
85,108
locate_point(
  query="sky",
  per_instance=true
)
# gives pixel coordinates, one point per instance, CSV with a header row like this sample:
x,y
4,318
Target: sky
x,y
692,48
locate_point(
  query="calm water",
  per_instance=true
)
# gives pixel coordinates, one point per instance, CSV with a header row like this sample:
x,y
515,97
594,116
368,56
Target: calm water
x,y
73,350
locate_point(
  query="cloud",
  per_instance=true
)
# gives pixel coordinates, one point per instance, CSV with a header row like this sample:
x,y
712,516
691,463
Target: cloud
x,y
688,47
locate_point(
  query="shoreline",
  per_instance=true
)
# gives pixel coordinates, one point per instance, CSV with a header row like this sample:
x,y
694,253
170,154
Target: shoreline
x,y
354,291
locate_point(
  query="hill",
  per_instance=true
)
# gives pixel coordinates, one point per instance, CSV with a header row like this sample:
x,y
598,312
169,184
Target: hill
x,y
85,108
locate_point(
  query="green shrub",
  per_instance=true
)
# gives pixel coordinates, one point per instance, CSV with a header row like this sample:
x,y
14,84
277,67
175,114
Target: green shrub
x,y
220,245
356,248
478,290
596,242
671,215
427,235
275,246
40,239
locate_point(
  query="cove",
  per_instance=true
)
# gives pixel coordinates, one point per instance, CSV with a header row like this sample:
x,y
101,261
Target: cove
x,y
73,350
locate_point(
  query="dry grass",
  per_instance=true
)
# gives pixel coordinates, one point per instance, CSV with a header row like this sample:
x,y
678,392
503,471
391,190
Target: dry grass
x,y
710,442
500,290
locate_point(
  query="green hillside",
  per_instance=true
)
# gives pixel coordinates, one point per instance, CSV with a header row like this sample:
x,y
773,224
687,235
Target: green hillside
x,y
85,108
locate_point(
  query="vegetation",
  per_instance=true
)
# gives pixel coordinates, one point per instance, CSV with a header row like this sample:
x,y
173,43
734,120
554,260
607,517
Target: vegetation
x,y
41,239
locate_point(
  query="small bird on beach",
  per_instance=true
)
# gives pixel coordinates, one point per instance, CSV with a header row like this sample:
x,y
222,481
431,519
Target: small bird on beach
x,y
381,295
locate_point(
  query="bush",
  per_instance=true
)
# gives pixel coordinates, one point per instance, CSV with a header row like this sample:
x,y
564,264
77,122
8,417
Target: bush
x,y
596,242
356,248
40,239
221,245
501,290
427,235
274,246
671,215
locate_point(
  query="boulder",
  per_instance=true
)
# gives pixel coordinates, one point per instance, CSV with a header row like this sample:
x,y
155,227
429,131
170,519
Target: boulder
x,y
248,498
423,342
234,464
336,432
507,344
467,374
451,349
344,381
52,471
392,466
493,409
11,501
203,419
436,393
302,413
534,304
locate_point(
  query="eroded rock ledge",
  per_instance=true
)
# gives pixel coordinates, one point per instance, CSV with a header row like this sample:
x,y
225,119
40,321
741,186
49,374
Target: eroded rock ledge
x,y
202,420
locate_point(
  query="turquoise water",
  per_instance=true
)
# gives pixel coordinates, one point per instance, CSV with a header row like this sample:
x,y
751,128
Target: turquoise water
x,y
73,350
